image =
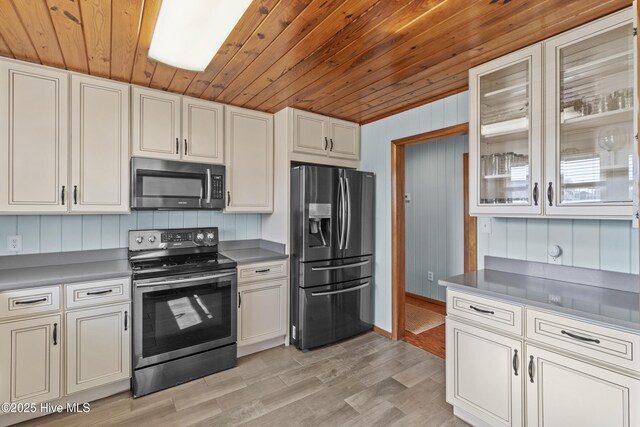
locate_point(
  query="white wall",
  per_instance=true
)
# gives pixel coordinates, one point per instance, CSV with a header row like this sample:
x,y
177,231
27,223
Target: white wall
x,y
56,233
435,214
608,245
376,157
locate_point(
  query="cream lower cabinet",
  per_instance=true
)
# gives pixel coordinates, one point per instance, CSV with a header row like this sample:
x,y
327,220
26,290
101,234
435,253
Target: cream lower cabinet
x,y
30,360
564,391
98,346
484,375
249,160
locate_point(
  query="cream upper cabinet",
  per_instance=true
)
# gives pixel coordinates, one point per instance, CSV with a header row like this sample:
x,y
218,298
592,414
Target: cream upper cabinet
x,y
98,346
310,133
485,374
344,139
315,134
564,391
262,311
505,134
202,131
30,360
33,138
249,160
589,105
156,124
99,145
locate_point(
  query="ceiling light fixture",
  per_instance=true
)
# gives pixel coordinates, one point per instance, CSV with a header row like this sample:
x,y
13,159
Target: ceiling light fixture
x,y
189,33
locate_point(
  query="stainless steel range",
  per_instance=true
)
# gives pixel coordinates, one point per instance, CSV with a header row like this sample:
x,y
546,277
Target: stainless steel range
x,y
184,312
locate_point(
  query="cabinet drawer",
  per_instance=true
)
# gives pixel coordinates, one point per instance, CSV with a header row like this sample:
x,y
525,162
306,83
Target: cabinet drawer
x,y
496,314
99,292
25,302
587,339
262,271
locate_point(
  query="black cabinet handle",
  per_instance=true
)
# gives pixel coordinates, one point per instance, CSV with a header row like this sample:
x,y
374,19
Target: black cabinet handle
x,y
326,143
75,194
55,334
535,194
126,320
531,369
578,337
515,362
331,139
550,194
177,146
263,271
108,291
239,299
228,198
33,301
479,310
185,146
62,195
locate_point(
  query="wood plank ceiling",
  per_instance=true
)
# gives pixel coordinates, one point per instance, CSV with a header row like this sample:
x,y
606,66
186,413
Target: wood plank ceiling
x,y
354,59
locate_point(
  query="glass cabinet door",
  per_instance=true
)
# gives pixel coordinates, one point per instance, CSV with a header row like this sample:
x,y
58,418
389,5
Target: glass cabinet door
x,y
505,134
590,137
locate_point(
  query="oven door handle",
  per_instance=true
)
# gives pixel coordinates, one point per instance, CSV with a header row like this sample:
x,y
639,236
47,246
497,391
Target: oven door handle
x,y
187,280
341,291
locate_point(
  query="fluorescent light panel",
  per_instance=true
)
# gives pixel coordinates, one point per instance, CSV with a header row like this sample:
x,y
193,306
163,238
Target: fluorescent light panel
x,y
188,33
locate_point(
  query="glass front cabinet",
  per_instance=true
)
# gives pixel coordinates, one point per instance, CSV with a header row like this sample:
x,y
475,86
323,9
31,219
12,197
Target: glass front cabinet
x,y
580,160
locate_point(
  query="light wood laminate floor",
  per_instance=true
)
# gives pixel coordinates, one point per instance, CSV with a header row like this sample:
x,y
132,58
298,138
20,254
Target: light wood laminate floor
x,y
365,381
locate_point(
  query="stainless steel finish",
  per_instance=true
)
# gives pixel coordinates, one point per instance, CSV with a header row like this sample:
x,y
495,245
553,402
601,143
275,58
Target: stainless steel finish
x,y
339,267
341,291
145,240
152,239
169,185
348,233
151,282
208,184
343,212
139,239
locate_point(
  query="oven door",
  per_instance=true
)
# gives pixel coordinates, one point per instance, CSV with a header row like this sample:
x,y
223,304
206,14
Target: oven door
x,y
176,317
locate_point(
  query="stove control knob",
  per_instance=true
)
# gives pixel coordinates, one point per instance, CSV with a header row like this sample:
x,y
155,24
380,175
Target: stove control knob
x,y
152,239
210,236
139,239
200,237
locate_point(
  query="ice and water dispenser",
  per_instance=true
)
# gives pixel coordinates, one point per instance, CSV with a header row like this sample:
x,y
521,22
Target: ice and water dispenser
x,y
319,224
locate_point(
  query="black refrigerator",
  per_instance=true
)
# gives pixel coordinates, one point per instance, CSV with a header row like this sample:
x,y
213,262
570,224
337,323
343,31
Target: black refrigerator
x,y
332,241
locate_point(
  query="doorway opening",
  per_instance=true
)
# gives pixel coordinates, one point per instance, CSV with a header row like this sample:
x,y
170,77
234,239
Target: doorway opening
x,y
432,234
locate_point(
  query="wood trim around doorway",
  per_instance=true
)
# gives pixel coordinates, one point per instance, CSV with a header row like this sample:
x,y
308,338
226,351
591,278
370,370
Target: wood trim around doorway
x,y
398,218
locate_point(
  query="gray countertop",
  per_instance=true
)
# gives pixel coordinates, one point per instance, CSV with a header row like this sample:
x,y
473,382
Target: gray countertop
x,y
28,277
251,251
620,308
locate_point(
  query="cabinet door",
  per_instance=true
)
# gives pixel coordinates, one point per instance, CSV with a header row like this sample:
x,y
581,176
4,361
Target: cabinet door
x,y
249,153
202,131
99,145
590,119
33,138
505,134
30,360
262,312
562,391
156,124
484,374
344,139
310,133
98,346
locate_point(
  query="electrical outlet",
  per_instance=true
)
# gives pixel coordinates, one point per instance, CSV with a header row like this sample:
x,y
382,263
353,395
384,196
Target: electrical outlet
x,y
14,243
407,198
430,276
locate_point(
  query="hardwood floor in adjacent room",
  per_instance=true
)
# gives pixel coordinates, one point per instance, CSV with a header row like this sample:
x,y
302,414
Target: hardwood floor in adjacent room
x,y
434,339
368,380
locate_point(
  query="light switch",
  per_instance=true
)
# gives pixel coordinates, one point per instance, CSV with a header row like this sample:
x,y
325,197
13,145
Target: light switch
x,y
485,224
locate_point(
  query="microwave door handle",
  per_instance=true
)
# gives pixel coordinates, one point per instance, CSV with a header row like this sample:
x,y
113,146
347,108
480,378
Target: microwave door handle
x,y
208,186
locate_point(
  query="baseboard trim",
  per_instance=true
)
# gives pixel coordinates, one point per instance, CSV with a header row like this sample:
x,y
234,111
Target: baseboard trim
x,y
261,346
382,332
427,299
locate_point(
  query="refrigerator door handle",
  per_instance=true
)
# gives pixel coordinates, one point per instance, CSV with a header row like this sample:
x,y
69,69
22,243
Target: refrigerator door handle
x,y
348,231
339,267
341,291
343,213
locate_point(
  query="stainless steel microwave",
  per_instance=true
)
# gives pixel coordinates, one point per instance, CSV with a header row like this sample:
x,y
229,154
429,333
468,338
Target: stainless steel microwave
x,y
167,184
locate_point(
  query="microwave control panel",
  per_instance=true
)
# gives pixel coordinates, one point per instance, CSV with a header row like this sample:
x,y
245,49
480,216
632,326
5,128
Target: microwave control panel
x,y
217,187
